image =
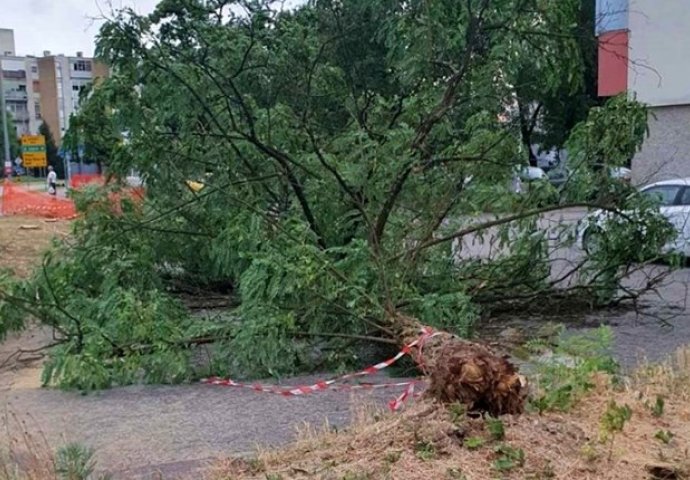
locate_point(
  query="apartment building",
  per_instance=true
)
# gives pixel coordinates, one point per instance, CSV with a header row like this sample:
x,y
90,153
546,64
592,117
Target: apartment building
x,y
20,78
7,42
44,89
22,96
644,51
62,80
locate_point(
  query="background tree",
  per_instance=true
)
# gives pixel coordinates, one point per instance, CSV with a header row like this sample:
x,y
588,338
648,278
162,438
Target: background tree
x,y
15,146
92,135
54,158
547,109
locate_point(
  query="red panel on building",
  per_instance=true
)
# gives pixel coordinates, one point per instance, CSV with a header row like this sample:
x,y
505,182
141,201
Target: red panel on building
x,y
613,63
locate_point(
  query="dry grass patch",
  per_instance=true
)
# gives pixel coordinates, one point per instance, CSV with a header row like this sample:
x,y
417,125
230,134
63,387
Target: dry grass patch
x,y
432,442
24,239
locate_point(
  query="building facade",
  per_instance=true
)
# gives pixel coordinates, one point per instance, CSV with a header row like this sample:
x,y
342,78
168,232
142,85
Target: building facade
x,y
643,50
63,79
44,89
22,95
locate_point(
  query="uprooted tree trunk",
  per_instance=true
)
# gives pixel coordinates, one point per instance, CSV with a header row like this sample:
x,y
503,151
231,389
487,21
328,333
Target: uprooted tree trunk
x,y
462,371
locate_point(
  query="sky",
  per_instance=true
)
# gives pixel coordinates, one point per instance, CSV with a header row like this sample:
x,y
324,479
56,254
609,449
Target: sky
x,y
61,26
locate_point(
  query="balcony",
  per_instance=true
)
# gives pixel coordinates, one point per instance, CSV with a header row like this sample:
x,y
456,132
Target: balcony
x,y
16,96
21,117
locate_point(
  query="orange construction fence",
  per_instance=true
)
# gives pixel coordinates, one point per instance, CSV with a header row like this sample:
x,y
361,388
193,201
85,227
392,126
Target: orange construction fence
x,y
80,179
21,200
18,200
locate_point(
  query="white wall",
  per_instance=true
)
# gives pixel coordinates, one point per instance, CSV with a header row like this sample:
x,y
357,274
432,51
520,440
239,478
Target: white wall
x,y
659,66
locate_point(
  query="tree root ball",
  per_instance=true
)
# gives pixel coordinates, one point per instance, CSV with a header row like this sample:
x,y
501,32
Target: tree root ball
x,y
471,374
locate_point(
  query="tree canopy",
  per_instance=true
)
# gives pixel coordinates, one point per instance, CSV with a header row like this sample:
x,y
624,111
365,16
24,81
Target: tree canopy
x,y
15,148
350,153
52,154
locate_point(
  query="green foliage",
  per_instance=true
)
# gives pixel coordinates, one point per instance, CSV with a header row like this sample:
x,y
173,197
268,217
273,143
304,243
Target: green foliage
x,y
12,315
425,450
15,147
664,436
613,420
342,145
508,458
611,135
52,153
456,474
473,443
658,407
75,462
108,306
95,130
565,374
457,412
496,428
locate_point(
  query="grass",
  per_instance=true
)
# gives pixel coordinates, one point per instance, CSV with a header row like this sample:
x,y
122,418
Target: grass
x,y
429,441
21,248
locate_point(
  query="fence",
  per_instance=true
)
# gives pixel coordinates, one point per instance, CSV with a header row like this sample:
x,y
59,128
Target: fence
x,y
16,200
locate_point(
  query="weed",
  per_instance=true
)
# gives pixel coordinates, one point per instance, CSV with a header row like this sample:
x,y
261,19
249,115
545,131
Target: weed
x,y
496,428
664,436
392,457
457,412
547,472
455,474
567,375
614,418
612,421
274,476
658,407
75,462
473,443
508,458
256,465
425,450
590,452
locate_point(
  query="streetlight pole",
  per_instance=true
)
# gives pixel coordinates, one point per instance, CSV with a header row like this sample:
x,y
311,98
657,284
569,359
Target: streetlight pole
x,y
5,132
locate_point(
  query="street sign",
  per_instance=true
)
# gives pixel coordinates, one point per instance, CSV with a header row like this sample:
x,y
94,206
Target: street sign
x,y
34,151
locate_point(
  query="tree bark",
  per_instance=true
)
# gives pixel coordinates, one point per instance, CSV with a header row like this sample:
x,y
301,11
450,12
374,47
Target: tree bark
x,y
462,371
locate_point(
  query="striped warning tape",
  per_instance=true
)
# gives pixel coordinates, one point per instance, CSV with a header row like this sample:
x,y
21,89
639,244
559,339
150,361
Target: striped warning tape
x,y
337,382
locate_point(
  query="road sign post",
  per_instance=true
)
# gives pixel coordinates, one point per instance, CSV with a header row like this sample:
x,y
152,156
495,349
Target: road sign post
x,y
34,151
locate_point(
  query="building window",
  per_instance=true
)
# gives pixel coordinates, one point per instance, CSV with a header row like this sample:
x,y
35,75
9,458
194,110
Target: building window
x,y
37,109
82,66
21,88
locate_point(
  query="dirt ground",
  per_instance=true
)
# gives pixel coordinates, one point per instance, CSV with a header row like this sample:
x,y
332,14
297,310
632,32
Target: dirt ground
x,y
428,441
24,239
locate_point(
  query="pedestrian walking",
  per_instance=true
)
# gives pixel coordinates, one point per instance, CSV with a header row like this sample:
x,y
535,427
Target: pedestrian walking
x,y
52,181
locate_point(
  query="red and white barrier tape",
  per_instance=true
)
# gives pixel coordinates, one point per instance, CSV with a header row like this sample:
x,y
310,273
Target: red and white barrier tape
x,y
336,383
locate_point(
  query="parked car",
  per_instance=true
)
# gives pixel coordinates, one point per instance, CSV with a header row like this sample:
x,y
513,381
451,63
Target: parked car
x,y
621,173
526,175
674,204
559,176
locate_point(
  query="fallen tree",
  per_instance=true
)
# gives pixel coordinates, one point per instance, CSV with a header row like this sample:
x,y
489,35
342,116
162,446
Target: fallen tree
x,y
337,152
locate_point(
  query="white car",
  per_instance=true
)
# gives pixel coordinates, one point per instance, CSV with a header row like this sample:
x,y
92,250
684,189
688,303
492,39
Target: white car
x,y
674,204
524,175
